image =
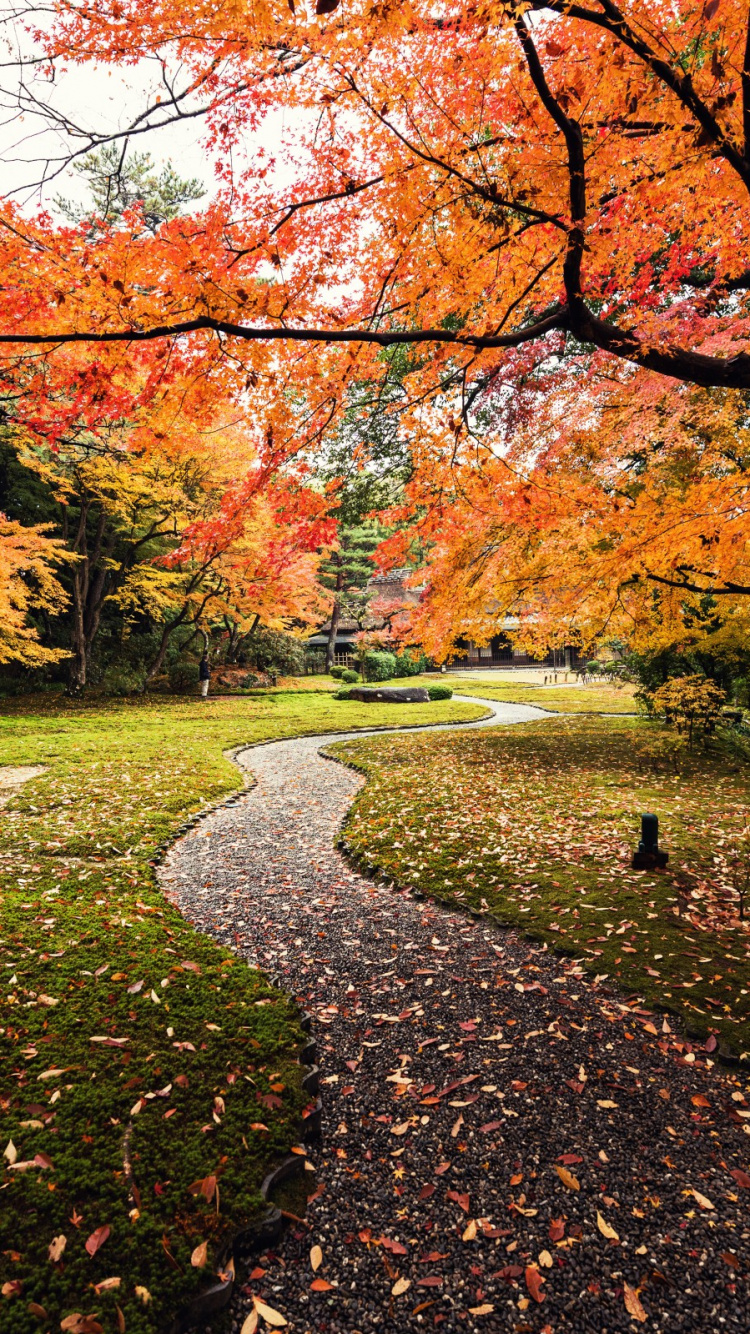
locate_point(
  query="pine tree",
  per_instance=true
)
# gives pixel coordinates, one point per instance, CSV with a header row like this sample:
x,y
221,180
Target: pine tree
x,y
347,572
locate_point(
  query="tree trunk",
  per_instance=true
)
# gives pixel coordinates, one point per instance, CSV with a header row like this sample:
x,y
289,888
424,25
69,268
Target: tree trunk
x,y
161,652
335,618
331,645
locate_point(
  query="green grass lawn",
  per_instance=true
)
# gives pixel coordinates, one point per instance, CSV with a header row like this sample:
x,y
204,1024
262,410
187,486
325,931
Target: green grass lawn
x,y
595,698
536,824
138,1058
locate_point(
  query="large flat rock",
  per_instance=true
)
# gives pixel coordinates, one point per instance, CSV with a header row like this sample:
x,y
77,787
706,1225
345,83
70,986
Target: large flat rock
x,y
391,694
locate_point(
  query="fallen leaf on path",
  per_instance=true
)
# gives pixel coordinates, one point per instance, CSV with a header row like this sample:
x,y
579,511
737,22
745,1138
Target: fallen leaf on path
x,y
605,1228
268,1314
633,1303
534,1281
400,1286
567,1178
316,1257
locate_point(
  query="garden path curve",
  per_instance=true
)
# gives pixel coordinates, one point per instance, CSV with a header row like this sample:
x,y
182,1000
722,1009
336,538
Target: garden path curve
x,y
507,1145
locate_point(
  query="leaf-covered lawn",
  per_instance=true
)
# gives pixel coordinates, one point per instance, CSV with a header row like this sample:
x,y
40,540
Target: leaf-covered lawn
x,y
138,1058
537,824
594,698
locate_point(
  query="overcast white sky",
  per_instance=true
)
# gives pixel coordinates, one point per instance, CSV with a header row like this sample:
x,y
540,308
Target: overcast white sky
x,y
98,99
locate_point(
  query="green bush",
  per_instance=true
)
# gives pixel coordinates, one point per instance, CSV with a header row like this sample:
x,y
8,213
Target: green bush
x,y
273,651
343,694
379,666
350,677
123,680
409,665
439,692
337,673
183,676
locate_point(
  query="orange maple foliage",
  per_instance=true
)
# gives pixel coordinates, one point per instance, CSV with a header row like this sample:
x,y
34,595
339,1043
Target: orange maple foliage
x,y
474,177
505,186
615,510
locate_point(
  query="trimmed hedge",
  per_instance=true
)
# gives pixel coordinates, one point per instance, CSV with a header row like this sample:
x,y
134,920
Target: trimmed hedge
x,y
439,692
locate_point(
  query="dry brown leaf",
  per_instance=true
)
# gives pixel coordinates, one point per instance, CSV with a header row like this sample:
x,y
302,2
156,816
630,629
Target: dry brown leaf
x,y
400,1286
199,1256
10,1152
481,1310
250,1323
142,1293
605,1228
316,1258
567,1178
471,1231
107,1284
702,1200
633,1303
545,1259
56,1247
268,1314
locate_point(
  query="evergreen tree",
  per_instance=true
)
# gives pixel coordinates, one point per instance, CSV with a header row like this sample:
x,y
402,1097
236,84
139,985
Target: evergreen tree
x,y
347,572
117,181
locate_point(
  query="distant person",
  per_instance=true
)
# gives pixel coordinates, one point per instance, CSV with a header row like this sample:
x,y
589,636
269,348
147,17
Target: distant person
x,y
204,673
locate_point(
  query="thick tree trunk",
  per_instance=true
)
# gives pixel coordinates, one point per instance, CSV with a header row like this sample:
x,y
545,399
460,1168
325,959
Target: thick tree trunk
x,y
331,645
335,618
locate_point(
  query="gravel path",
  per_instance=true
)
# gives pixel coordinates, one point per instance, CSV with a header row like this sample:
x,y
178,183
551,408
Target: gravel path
x,y
507,1146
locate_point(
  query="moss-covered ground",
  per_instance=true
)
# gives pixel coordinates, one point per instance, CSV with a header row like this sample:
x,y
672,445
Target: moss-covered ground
x,y
537,823
148,1077
595,697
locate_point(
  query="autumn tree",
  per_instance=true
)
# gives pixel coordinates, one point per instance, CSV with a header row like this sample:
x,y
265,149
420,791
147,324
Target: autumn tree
x,y
488,182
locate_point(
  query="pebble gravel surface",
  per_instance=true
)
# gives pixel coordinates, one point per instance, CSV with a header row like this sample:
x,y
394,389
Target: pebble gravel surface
x,y
507,1144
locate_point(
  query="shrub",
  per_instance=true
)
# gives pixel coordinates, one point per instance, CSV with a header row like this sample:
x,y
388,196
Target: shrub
x,y
350,677
183,676
343,694
439,692
273,651
409,665
689,702
123,680
593,667
337,673
378,666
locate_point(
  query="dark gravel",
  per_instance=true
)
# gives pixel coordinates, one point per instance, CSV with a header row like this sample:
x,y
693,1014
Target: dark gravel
x,y
461,1068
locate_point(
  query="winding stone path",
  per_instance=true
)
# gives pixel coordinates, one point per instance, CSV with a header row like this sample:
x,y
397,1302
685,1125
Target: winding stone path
x,y
507,1146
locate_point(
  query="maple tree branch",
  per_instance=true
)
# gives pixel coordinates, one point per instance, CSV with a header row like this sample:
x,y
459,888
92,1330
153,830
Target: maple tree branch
x,y
571,132
284,334
745,83
729,589
613,21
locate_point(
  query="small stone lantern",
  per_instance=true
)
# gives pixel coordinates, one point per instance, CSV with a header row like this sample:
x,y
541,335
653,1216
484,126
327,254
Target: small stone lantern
x,y
649,856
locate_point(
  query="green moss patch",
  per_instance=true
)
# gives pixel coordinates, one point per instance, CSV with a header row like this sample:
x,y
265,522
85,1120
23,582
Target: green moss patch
x,y
594,698
537,823
149,1078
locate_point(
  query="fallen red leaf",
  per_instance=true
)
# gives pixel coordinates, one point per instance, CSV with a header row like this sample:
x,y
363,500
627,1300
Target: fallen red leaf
x,y
534,1283
97,1239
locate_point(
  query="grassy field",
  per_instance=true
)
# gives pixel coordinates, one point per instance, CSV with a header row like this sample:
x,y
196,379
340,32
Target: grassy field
x,y
536,824
148,1077
595,698
598,697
